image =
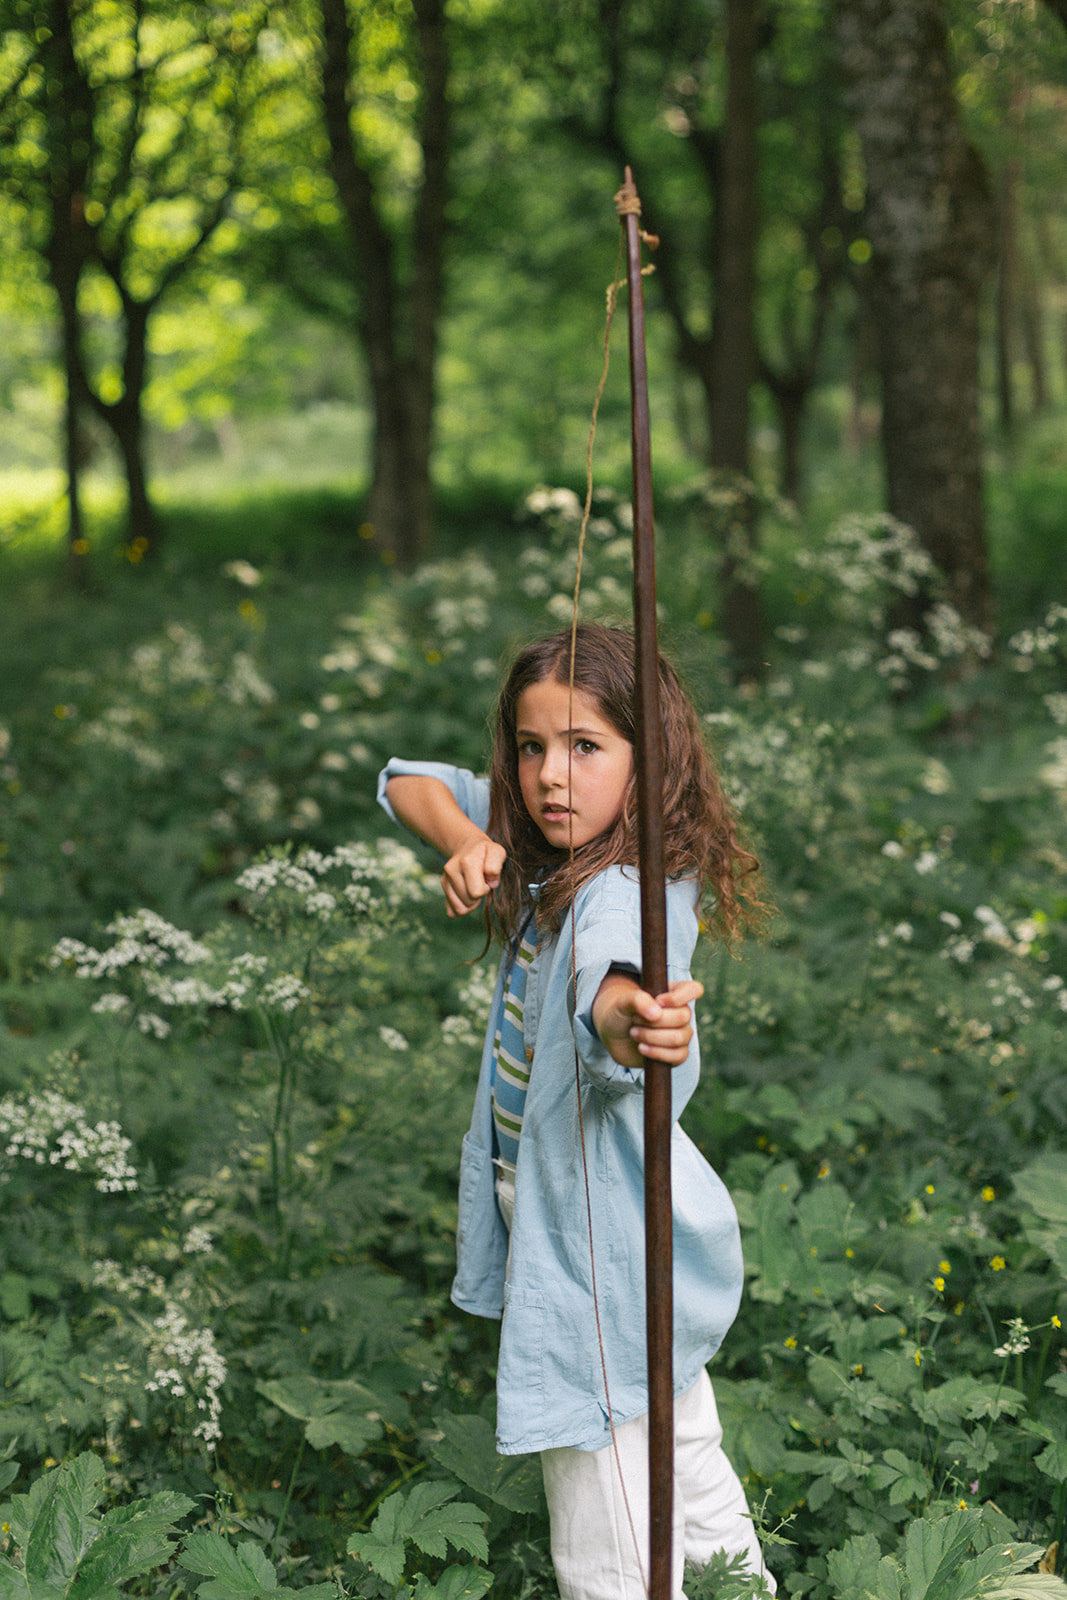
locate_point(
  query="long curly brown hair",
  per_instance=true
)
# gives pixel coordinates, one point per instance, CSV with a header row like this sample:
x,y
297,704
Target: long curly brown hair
x,y
701,835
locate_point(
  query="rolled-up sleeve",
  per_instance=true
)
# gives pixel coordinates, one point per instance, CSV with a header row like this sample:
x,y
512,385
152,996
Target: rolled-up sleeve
x,y
608,938
470,793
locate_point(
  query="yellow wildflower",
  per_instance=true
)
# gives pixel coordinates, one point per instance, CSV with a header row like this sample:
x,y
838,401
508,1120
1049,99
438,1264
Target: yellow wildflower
x,y
998,1263
989,1193
1056,1323
939,1285
790,1343
944,1266
930,1189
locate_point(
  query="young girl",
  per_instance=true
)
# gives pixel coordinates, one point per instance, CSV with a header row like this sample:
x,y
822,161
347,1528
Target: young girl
x,y
551,1181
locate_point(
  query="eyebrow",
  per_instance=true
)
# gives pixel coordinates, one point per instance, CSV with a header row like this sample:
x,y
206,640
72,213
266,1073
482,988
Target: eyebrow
x,y
585,733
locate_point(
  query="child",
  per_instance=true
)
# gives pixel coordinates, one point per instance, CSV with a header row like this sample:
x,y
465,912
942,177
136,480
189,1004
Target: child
x,y
551,1180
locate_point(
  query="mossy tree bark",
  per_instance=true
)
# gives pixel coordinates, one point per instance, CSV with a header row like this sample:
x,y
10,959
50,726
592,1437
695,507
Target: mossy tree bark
x,y
931,222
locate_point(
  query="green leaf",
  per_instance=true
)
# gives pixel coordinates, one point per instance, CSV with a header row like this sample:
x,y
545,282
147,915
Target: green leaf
x,y
54,1523
467,1448
935,1551
1043,1185
341,1412
240,1572
382,1547
429,1519
853,1569
135,1539
1053,1461
455,1583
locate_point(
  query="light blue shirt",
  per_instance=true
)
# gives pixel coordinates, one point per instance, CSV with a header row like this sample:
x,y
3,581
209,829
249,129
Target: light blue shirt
x,y
550,1388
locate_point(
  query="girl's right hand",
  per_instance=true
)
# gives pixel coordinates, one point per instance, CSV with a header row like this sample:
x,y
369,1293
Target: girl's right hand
x,y
472,873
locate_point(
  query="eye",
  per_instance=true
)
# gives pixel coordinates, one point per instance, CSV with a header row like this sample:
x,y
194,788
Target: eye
x,y
529,747
586,747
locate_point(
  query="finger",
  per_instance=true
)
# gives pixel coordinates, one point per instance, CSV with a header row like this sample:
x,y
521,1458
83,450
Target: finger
x,y
457,901
641,1004
681,994
662,1038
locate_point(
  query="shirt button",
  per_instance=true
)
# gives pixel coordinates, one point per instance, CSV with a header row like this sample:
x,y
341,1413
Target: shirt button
x,y
529,1055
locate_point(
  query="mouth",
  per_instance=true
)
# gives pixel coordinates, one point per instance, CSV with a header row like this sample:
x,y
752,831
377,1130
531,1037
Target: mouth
x,y
554,813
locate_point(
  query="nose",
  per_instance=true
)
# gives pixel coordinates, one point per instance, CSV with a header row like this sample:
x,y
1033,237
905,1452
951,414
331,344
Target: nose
x,y
553,772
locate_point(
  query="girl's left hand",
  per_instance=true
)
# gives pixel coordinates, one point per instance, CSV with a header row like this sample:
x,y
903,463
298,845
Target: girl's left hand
x,y
637,1027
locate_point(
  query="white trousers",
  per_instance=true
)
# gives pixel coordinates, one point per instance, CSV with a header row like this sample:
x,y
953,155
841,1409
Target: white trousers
x,y
593,1545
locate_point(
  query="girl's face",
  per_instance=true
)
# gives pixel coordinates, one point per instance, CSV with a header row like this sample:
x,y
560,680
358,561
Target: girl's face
x,y
574,767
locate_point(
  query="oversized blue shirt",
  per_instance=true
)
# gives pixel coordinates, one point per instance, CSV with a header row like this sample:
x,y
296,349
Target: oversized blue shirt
x,y
550,1387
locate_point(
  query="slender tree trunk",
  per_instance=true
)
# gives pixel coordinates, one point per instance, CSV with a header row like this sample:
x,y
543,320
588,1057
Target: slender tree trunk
x,y
732,352
398,324
124,419
69,143
930,219
1007,285
64,281
790,403
1033,331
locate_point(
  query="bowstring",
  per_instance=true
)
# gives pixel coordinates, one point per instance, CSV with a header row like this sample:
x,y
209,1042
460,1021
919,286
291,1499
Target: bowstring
x,y
612,301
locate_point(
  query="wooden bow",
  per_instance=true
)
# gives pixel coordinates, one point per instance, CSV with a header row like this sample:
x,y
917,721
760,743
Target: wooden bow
x,y
648,764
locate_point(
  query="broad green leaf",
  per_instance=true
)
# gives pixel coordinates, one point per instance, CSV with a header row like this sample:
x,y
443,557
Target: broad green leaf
x,y
1030,1586
1053,1461
55,1523
341,1412
971,1398
467,1448
430,1518
853,1569
432,1521
935,1551
1043,1185
239,1572
382,1547
455,1583
135,1539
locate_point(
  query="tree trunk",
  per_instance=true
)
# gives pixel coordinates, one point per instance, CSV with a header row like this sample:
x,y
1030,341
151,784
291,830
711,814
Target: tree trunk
x,y
930,219
1033,331
1007,285
124,419
69,143
732,353
398,324
790,402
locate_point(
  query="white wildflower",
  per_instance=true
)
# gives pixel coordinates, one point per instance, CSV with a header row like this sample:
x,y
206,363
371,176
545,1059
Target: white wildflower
x,y
244,573
284,993
894,849
198,1241
1017,1341
150,1023
48,1129
110,1004
392,1039
196,1367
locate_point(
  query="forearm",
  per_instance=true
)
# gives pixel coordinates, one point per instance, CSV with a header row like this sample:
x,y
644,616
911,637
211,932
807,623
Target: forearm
x,y
473,863
636,1027
428,808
